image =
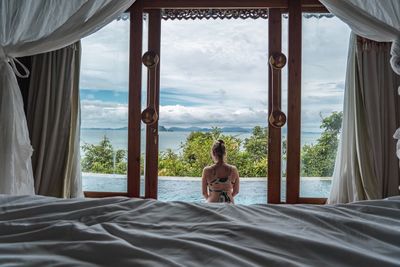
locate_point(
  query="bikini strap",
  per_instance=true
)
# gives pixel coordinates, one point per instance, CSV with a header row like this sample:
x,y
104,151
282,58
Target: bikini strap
x,y
230,175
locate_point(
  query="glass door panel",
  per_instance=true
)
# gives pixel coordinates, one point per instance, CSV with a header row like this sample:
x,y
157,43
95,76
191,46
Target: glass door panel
x,y
325,44
104,108
214,76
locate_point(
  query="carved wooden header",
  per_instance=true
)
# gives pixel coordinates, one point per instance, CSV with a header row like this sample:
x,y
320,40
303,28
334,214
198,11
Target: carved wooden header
x,y
194,14
187,14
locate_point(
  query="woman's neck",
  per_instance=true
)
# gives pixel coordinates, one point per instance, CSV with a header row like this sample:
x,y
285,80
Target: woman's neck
x,y
219,162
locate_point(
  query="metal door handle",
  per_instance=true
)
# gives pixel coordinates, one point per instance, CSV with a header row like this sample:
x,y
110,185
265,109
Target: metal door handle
x,y
276,61
150,59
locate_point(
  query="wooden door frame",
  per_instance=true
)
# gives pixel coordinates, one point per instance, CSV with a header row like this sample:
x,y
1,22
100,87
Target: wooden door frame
x,y
151,166
134,106
274,157
135,98
294,103
294,8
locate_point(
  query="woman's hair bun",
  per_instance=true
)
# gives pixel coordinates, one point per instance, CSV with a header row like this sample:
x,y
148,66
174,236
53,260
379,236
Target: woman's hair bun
x,y
218,149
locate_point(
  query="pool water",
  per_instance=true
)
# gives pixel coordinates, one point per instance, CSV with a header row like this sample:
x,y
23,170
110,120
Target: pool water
x,y
252,191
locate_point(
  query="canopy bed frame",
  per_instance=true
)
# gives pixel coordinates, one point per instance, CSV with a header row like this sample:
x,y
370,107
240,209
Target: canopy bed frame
x,y
41,231
184,9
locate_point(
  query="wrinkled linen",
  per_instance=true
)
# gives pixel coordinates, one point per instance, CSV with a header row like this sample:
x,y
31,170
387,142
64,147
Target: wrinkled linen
x,y
42,231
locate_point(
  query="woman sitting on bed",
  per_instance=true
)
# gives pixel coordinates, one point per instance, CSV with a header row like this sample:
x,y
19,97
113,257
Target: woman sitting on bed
x,y
220,182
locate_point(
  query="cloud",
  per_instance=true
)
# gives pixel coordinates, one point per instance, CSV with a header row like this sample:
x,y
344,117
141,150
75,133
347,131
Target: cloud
x,y
216,71
105,57
211,116
101,114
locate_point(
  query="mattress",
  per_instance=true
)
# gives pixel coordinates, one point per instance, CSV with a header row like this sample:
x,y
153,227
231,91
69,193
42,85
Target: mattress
x,y
43,231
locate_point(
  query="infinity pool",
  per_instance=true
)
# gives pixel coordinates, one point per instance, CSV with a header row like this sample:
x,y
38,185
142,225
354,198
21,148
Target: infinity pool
x,y
252,190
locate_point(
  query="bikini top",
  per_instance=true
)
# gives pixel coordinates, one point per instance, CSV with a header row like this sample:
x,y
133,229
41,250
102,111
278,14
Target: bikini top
x,y
223,180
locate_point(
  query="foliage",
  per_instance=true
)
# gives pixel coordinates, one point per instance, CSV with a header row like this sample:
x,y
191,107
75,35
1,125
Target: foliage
x,y
249,155
255,153
318,160
197,150
171,165
101,158
257,144
196,154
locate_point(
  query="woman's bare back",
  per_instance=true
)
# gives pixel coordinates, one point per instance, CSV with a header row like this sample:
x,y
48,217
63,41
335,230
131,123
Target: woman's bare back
x,y
220,183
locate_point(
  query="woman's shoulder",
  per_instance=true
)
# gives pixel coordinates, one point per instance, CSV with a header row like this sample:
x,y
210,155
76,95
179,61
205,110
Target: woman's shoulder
x,y
207,169
232,167
233,171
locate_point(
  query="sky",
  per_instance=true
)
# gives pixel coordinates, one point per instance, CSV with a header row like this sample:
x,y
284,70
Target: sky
x,y
213,73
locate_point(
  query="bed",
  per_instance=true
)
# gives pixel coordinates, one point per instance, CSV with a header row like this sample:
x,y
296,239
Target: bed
x,y
44,231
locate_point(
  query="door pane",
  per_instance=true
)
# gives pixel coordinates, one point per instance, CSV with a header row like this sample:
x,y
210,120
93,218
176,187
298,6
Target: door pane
x,y
214,78
104,108
325,44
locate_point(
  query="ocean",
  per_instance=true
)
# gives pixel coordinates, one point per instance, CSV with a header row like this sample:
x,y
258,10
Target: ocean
x,y
167,140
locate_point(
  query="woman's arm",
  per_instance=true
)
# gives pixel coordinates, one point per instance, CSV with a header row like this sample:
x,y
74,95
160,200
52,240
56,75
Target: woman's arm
x,y
237,182
204,186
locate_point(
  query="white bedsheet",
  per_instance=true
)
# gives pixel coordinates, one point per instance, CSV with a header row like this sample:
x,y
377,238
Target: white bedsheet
x,y
40,231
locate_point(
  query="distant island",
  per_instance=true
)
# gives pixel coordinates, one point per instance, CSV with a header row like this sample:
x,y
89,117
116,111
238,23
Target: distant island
x,y
181,129
198,129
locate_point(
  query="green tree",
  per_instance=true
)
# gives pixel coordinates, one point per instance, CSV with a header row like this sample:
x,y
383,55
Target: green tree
x,y
101,158
170,164
197,150
318,160
257,144
254,156
251,159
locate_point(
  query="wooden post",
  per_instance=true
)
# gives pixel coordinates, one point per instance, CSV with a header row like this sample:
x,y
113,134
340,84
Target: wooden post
x,y
274,134
294,103
151,171
135,96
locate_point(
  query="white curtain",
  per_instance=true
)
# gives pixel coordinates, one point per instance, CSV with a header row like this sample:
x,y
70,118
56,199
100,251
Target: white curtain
x,y
397,136
378,20
53,122
28,28
366,165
